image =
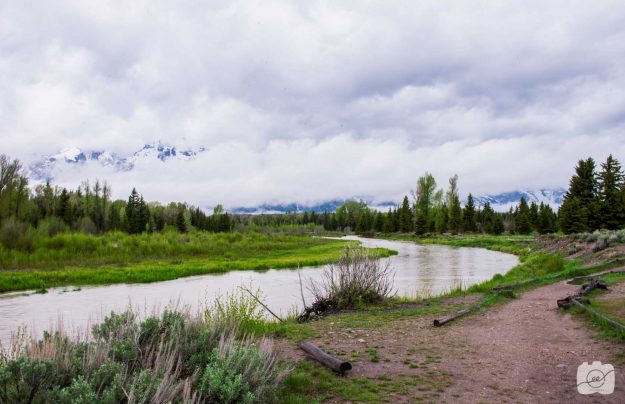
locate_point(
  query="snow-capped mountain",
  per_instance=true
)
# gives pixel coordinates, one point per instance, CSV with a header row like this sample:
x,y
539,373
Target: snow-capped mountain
x,y
43,169
499,202
504,201
327,206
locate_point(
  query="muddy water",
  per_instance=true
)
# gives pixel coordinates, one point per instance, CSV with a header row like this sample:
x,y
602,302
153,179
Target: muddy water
x,y
418,268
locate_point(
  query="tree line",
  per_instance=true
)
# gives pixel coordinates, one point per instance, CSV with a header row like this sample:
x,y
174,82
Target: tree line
x,y
90,209
594,200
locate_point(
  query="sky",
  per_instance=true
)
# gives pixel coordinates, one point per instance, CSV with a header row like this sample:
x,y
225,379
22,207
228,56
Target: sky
x,y
315,100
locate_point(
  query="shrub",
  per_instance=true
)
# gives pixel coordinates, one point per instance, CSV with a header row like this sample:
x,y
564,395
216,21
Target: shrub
x,y
358,278
241,372
171,358
86,225
236,310
15,235
51,226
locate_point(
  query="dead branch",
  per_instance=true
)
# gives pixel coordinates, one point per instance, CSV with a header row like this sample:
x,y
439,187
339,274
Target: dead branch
x,y
261,303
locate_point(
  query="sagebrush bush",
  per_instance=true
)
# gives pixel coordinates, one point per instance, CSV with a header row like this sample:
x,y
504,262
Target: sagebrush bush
x,y
175,357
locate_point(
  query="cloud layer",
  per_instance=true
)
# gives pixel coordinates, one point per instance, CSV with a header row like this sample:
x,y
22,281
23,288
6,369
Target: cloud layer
x,y
309,101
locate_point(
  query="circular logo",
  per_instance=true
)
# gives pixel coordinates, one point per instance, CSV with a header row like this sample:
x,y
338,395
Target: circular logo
x,y
595,378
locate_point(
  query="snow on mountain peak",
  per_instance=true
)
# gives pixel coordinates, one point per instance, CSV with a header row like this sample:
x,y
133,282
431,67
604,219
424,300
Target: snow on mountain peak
x,y
42,170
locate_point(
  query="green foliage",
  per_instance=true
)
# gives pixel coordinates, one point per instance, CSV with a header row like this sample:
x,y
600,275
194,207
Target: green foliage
x,y
79,259
237,310
174,357
237,373
15,235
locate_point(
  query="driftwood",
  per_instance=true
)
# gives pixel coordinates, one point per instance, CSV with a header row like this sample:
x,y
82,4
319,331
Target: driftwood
x,y
325,359
261,303
443,320
584,290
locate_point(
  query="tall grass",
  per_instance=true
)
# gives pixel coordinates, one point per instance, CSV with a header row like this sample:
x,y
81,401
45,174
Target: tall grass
x,y
175,357
80,259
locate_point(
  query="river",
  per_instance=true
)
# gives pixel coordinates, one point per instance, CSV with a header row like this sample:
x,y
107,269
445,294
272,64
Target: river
x,y
430,269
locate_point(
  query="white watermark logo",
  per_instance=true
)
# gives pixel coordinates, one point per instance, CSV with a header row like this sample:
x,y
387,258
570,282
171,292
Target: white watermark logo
x,y
595,378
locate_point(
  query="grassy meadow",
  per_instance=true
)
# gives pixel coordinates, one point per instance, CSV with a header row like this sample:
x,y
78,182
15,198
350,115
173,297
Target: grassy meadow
x,y
81,259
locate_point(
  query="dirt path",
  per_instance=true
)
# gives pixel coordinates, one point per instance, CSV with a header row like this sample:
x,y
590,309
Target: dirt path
x,y
523,351
529,350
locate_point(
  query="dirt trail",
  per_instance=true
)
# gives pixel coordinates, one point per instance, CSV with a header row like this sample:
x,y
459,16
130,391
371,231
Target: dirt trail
x,y
523,351
530,351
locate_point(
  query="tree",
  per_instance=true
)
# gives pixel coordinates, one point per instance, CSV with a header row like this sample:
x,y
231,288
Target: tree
x,y
522,218
405,217
424,198
454,221
611,202
468,216
546,221
181,223
579,210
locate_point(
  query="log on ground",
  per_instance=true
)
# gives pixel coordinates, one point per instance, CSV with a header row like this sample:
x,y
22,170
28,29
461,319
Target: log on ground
x,y
324,358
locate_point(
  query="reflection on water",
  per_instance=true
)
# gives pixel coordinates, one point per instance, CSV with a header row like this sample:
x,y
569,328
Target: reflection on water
x,y
418,268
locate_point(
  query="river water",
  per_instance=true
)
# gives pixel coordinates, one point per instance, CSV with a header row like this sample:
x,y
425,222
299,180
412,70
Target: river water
x,y
430,269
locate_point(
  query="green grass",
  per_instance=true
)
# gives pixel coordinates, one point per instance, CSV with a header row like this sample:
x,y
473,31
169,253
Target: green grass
x,y
310,383
512,244
610,307
79,259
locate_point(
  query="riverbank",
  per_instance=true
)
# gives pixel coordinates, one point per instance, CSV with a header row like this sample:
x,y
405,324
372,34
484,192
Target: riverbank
x,y
517,347
79,259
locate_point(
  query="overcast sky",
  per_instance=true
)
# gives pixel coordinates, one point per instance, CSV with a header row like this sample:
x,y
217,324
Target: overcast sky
x,y
308,101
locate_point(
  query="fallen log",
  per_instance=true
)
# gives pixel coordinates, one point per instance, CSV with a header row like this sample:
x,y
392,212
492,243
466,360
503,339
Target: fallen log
x,y
325,359
585,289
441,321
581,278
595,283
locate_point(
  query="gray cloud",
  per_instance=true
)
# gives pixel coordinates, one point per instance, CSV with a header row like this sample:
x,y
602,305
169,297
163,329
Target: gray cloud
x,y
314,100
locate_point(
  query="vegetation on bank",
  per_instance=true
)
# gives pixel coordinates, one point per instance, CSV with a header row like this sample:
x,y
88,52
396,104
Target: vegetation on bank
x,y
80,259
175,357
509,243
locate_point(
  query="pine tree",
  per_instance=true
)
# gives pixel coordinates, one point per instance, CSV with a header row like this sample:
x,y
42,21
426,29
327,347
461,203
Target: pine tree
x,y
522,218
611,185
546,221
579,210
405,217
132,211
468,216
181,223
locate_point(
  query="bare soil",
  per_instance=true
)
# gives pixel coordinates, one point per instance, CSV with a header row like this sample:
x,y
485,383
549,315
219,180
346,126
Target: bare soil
x,y
523,351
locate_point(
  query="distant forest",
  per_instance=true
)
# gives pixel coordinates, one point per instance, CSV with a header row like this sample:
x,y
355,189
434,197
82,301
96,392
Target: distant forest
x,y
595,200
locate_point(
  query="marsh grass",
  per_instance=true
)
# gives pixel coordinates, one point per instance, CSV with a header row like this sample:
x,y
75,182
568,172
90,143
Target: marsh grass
x,y
79,259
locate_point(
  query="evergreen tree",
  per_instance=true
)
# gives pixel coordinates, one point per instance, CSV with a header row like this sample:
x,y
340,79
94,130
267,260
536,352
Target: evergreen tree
x,y
405,217
181,223
522,218
468,216
454,222
579,210
546,222
611,185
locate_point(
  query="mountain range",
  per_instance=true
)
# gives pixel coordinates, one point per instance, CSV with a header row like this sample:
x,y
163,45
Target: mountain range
x,y
43,170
